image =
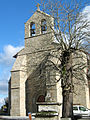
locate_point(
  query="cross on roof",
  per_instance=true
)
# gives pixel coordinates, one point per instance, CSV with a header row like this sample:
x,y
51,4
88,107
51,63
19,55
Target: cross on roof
x,y
38,6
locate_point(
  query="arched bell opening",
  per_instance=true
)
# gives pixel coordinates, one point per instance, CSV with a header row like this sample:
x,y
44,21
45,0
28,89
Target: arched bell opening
x,y
43,26
32,29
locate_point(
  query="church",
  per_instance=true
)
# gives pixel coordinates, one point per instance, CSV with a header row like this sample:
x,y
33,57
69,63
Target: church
x,y
35,81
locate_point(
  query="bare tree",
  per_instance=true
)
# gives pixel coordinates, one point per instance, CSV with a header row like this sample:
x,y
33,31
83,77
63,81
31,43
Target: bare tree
x,y
72,33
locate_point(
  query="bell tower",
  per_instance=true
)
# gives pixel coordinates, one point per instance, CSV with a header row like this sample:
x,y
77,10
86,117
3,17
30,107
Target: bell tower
x,y
39,31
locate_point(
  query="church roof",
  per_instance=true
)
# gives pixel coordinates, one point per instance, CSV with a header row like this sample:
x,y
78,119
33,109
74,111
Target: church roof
x,y
21,51
38,10
41,12
44,13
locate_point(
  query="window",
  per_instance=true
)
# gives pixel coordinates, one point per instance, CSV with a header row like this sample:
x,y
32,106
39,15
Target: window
x,y
32,30
43,26
82,108
75,108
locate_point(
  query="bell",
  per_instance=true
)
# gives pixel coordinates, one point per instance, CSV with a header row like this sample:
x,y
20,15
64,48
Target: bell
x,y
32,31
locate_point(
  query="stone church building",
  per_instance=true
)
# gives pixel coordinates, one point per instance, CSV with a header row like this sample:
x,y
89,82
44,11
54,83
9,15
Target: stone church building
x,y
35,82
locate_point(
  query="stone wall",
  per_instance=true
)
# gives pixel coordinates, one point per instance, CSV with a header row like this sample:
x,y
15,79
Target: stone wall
x,y
13,118
18,78
81,87
35,86
47,118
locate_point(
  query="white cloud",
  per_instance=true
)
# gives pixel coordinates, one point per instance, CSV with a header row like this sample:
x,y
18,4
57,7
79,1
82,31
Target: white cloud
x,y
86,14
8,52
87,11
4,87
6,62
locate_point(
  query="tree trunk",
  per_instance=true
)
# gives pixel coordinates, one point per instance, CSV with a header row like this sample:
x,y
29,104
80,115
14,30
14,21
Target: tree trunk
x,y
67,105
67,85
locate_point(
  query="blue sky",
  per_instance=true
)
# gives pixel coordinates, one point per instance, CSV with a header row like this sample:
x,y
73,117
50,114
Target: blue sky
x,y
13,15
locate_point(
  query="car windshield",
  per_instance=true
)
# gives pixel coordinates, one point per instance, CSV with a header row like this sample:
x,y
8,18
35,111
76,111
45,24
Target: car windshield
x,y
82,108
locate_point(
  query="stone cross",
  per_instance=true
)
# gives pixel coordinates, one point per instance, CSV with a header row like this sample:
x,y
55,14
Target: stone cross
x,y
38,7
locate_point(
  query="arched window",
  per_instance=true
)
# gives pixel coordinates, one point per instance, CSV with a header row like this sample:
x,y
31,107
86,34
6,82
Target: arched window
x,y
43,26
32,30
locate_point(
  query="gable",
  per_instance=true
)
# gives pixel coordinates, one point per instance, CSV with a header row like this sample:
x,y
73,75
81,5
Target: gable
x,y
40,15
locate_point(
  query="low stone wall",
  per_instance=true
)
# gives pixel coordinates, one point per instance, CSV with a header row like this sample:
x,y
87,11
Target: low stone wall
x,y
47,118
84,119
46,115
13,118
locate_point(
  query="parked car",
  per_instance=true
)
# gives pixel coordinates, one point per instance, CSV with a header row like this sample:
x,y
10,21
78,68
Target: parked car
x,y
79,110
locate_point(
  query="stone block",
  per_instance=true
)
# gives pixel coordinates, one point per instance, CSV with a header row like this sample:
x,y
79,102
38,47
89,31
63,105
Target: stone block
x,y
65,118
47,118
